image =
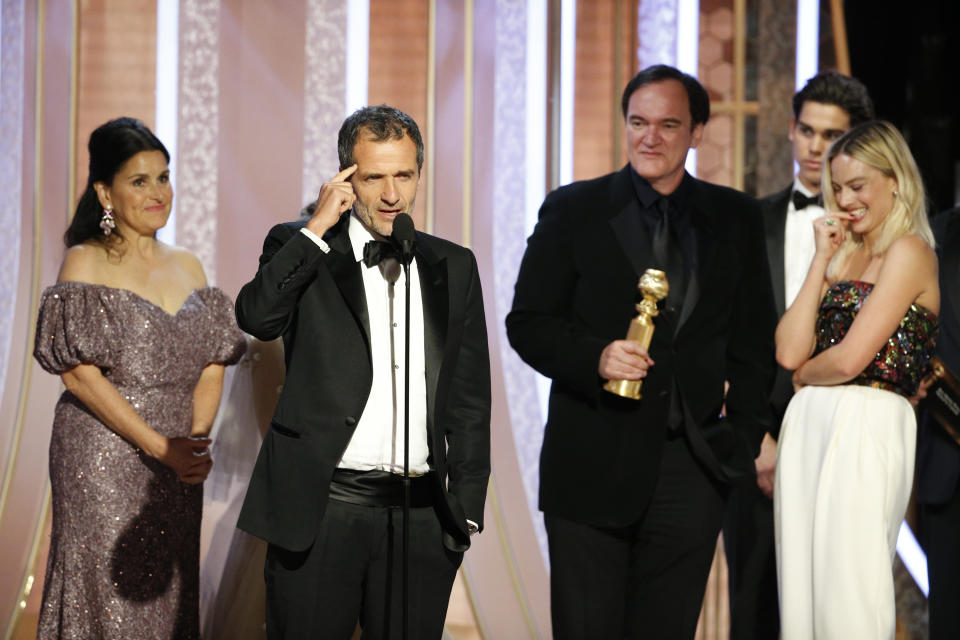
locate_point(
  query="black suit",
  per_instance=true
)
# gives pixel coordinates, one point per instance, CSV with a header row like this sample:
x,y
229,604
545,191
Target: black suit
x,y
748,527
774,210
938,457
316,302
602,455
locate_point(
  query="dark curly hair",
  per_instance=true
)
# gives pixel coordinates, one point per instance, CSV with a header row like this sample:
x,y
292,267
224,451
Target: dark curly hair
x,y
111,145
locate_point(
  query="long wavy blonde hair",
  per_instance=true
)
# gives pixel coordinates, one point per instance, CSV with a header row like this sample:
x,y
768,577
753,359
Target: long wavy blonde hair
x,y
878,144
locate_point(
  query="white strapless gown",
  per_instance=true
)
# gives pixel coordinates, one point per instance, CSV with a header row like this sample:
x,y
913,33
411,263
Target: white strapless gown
x,y
844,475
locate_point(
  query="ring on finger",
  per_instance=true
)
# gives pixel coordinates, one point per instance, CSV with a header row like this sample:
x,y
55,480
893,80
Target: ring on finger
x,y
829,222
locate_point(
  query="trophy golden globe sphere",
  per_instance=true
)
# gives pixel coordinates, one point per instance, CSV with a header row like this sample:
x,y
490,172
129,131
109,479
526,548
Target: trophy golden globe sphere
x,y
653,284
653,287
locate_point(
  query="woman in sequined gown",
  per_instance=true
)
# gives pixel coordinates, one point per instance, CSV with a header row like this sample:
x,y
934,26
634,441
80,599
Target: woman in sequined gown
x,y
859,336
141,343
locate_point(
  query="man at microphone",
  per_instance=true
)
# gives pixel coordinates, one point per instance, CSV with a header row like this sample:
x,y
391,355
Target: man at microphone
x,y
327,489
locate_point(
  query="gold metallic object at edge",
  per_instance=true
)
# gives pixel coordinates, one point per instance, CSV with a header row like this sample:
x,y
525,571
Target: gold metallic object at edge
x,y
654,287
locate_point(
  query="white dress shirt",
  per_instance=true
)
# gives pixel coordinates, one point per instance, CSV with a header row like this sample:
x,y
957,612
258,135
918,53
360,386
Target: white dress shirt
x,y
377,442
799,244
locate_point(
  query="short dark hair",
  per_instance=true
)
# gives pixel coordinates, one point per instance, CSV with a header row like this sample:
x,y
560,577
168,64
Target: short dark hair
x,y
383,123
832,87
696,94
111,145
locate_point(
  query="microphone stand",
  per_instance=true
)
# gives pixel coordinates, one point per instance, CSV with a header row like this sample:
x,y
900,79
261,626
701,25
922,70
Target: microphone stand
x,y
405,259
404,237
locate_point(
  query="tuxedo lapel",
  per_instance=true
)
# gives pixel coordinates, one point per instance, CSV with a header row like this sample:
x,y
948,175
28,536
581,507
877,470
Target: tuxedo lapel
x,y
774,224
703,249
435,295
701,244
345,271
632,236
627,224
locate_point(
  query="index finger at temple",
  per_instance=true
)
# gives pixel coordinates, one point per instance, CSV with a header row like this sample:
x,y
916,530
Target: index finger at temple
x,y
346,173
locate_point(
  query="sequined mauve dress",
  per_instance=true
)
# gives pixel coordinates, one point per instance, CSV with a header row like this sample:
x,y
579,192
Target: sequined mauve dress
x,y
843,478
124,552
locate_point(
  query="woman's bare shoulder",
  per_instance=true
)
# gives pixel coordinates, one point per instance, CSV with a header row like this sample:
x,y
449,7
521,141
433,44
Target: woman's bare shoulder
x,y
911,263
189,263
911,251
83,263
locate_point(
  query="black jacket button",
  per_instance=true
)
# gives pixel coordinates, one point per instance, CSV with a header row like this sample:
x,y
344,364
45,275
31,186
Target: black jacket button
x,y
351,421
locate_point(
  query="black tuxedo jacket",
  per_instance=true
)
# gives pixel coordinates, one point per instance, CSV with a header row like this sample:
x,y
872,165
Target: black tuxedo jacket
x,y
576,293
938,457
774,209
316,302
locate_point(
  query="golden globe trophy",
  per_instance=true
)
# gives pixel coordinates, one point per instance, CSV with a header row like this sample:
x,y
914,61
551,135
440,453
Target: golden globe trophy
x,y
654,288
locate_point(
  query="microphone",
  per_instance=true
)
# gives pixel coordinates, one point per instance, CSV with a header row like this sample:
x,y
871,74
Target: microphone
x,y
404,237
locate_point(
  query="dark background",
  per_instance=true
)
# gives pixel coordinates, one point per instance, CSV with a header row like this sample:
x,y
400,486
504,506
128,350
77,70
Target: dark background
x,y
907,55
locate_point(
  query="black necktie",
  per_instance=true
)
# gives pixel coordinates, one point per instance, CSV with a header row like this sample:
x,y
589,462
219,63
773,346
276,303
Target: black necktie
x,y
801,201
669,255
375,252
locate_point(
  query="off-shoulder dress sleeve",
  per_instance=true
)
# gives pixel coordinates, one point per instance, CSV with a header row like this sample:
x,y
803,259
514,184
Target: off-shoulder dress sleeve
x,y
76,325
227,343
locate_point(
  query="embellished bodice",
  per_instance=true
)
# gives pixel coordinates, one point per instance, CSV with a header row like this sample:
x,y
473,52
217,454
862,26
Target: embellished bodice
x,y
903,359
152,357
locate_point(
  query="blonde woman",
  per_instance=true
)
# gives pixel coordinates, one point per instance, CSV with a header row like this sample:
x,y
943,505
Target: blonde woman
x,y
859,336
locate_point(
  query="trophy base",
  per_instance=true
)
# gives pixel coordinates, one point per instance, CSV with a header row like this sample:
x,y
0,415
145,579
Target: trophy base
x,y
625,388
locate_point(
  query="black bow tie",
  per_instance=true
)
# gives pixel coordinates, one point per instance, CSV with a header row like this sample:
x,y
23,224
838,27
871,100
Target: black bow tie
x,y
376,252
801,201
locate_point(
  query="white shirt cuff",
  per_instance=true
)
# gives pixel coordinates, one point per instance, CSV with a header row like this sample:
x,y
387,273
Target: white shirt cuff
x,y
316,239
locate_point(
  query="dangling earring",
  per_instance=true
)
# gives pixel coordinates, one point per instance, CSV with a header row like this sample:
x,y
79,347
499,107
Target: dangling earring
x,y
107,223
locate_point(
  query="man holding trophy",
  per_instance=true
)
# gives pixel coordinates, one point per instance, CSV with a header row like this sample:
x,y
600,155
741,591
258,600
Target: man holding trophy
x,y
633,480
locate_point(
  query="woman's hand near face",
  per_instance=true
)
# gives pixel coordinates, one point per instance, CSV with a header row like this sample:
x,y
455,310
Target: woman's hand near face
x,y
829,232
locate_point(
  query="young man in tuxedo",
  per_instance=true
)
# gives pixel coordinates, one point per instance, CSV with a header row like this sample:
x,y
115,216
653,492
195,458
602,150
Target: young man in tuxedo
x,y
326,492
633,491
827,106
